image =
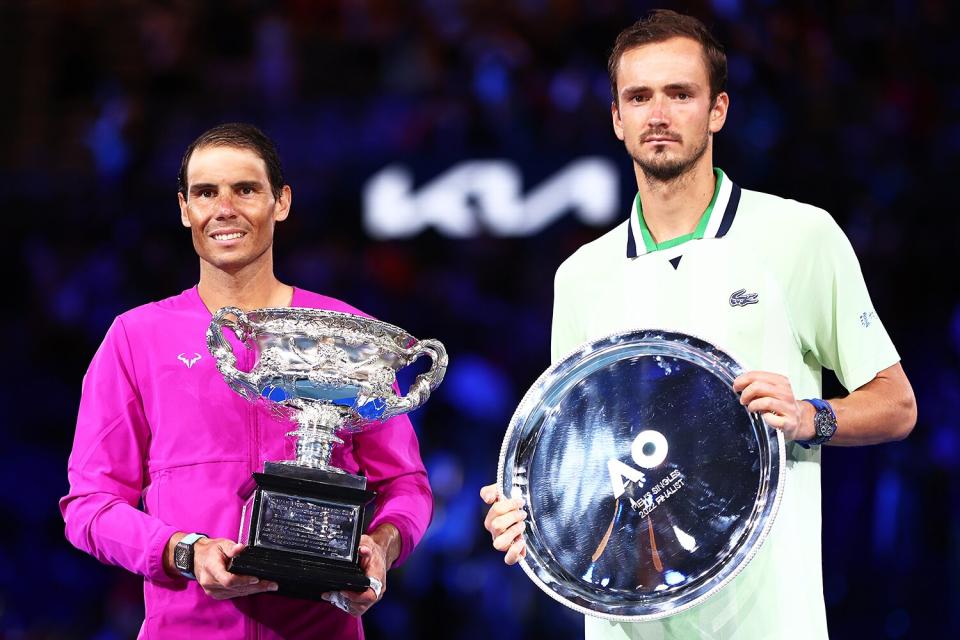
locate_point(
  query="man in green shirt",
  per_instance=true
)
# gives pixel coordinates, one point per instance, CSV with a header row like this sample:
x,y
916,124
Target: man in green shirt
x,y
774,281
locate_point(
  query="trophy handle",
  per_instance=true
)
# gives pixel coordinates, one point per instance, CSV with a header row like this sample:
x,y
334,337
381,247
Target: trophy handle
x,y
222,351
426,382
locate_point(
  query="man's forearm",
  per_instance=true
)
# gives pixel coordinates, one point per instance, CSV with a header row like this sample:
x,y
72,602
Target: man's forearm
x,y
882,410
171,570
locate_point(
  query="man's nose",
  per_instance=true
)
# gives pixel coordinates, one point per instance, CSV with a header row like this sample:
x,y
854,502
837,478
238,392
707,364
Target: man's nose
x,y
225,206
659,113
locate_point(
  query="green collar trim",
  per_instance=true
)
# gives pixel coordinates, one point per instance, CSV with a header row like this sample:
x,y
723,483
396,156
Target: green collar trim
x,y
697,233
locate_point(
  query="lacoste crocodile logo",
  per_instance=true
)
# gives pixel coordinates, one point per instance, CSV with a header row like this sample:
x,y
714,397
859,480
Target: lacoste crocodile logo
x,y
740,298
192,361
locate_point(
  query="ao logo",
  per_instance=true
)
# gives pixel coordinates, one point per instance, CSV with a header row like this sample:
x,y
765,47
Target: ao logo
x,y
648,450
486,196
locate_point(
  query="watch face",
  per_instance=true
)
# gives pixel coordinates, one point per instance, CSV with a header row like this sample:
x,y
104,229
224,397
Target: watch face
x,y
825,423
183,557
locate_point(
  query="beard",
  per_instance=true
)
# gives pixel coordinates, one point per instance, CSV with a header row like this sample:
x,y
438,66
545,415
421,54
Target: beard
x,y
662,168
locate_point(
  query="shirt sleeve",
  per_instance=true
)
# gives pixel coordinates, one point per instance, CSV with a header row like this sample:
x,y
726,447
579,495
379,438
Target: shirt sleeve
x,y
837,323
565,332
389,454
106,468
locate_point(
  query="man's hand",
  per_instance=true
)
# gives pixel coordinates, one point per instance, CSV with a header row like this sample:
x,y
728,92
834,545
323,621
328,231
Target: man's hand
x,y
378,552
771,394
505,522
211,557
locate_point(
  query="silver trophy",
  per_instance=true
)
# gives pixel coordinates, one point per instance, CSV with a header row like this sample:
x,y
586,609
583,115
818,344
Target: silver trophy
x,y
648,485
328,372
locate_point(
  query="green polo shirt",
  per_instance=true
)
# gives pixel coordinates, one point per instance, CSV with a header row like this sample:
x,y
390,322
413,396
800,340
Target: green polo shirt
x,y
776,284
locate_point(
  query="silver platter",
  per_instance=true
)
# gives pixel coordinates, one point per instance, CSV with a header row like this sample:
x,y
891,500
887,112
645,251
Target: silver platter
x,y
648,486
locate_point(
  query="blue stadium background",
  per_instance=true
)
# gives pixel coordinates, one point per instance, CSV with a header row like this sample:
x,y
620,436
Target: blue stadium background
x,y
852,106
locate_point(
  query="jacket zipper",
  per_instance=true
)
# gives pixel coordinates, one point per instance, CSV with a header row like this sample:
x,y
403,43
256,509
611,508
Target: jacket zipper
x,y
254,435
253,628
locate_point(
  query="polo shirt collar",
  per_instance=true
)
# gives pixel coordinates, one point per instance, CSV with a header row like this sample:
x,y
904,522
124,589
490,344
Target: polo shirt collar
x,y
715,222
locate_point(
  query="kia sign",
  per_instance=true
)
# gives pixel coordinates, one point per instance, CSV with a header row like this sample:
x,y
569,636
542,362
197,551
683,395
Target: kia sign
x,y
487,196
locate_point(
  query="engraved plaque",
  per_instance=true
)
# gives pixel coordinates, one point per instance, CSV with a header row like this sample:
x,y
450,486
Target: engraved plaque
x,y
306,525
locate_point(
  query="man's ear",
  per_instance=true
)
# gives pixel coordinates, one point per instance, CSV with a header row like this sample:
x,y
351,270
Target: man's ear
x,y
617,122
184,218
282,207
718,112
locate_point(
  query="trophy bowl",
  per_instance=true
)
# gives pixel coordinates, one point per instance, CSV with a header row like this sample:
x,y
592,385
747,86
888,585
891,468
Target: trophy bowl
x,y
648,486
327,372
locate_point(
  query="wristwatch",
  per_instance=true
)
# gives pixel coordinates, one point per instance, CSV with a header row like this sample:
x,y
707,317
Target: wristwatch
x,y
183,554
824,423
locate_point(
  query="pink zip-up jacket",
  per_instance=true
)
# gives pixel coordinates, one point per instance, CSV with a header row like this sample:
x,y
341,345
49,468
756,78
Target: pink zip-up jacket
x,y
164,445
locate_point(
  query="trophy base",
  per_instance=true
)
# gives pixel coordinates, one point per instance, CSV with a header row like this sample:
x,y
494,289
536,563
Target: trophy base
x,y
302,527
332,478
298,575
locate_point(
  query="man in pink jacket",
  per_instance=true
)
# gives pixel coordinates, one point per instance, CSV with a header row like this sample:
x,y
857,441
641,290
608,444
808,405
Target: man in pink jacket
x,y
164,448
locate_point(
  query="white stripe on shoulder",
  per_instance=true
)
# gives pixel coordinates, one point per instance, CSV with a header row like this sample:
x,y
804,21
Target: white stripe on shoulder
x,y
635,229
719,208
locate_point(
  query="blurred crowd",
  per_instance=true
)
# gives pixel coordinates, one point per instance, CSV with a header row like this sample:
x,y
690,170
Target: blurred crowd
x,y
852,106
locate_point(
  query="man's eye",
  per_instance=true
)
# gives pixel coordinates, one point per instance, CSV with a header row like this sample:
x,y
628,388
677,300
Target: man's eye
x,y
639,98
247,191
682,96
207,193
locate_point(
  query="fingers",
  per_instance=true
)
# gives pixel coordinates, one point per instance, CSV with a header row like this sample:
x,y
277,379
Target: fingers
x,y
777,422
762,377
373,563
505,540
372,560
359,599
740,382
505,522
215,564
501,524
516,551
765,389
772,406
356,604
762,391
371,552
771,395
366,552
754,391
489,493
499,509
211,559
744,379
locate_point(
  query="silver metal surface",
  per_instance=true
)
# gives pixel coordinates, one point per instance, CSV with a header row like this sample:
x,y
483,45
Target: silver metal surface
x,y
648,485
329,371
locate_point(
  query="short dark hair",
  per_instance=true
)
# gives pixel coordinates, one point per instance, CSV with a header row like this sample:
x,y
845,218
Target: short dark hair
x,y
243,136
660,25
